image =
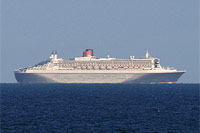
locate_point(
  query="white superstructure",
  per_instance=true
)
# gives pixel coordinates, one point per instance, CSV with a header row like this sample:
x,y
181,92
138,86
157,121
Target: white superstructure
x,y
89,69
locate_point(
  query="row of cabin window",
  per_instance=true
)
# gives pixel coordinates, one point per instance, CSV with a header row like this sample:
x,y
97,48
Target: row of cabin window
x,y
103,62
99,63
63,65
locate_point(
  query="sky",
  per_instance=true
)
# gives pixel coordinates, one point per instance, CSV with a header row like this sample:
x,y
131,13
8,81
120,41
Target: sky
x,y
168,29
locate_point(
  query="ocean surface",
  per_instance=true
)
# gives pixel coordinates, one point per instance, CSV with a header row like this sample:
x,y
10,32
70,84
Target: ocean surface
x,y
100,108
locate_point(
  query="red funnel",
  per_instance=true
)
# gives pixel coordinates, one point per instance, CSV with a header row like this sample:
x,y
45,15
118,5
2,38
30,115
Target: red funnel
x,y
87,53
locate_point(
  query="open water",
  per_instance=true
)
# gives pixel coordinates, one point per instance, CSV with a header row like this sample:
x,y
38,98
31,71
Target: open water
x,y
100,108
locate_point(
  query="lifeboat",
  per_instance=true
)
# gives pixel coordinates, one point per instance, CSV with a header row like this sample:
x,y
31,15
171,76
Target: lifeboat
x,y
83,67
115,67
89,67
78,67
102,67
96,67
109,67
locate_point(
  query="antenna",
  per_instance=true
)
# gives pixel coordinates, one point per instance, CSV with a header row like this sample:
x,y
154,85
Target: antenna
x,y
147,54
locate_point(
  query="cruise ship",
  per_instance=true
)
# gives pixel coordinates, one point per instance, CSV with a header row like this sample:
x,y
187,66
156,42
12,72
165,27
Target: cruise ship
x,y
89,69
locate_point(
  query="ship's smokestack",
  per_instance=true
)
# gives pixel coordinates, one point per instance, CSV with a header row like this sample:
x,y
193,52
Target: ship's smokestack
x,y
88,52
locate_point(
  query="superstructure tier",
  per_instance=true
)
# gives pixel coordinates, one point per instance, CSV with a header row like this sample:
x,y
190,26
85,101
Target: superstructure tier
x,y
89,69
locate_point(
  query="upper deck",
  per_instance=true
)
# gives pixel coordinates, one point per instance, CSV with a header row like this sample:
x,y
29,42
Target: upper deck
x,y
90,62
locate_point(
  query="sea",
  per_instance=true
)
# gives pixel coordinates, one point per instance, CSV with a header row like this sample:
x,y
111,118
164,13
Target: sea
x,y
100,108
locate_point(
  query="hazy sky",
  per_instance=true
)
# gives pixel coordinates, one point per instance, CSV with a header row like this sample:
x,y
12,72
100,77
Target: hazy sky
x,y
31,29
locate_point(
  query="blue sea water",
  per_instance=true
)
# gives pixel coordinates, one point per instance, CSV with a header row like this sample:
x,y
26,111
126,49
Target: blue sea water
x,y
99,108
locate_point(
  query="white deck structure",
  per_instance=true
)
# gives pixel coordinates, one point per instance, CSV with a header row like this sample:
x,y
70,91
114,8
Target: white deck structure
x,y
98,70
